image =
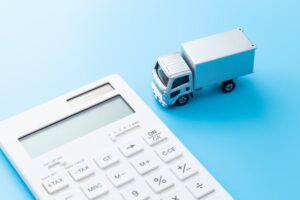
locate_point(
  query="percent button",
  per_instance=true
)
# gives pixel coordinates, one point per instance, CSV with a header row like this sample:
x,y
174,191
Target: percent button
x,y
160,181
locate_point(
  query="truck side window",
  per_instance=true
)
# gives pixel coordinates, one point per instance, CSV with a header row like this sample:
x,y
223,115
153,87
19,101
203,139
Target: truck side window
x,y
174,94
180,81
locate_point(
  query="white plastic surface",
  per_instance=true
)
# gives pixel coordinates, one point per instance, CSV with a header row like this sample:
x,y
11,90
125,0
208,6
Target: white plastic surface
x,y
117,177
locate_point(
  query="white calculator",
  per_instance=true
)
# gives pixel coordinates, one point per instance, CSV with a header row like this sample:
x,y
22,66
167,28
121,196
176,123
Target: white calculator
x,y
102,142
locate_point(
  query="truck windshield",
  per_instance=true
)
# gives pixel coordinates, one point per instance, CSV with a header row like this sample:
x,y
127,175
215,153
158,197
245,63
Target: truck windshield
x,y
161,74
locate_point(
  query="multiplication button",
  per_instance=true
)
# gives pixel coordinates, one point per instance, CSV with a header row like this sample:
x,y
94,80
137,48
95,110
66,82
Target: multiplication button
x,y
154,137
199,188
54,183
160,181
181,194
94,189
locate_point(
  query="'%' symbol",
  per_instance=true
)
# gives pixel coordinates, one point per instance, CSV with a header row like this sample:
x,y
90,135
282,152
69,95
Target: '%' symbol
x,y
160,180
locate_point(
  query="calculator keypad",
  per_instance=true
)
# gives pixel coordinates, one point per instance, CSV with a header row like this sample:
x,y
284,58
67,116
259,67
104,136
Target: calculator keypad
x,y
156,179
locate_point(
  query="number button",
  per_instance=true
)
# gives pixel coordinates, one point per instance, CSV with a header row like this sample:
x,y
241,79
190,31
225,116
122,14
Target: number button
x,y
138,192
144,164
106,160
184,169
199,188
94,189
119,176
154,137
55,183
160,181
80,171
130,148
168,152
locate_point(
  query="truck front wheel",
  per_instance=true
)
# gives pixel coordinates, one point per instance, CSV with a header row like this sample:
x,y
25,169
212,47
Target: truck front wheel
x,y
184,99
228,86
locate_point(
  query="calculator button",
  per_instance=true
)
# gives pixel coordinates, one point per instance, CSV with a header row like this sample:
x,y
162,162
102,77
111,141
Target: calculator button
x,y
74,195
130,148
80,171
55,183
144,164
137,192
107,159
94,189
177,195
199,188
184,169
154,137
119,176
168,152
160,181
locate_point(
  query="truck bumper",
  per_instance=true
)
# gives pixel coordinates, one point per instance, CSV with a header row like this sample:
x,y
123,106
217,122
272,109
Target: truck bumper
x,y
158,96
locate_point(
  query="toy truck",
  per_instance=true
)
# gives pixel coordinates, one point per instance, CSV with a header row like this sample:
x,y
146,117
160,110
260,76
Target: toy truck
x,y
219,58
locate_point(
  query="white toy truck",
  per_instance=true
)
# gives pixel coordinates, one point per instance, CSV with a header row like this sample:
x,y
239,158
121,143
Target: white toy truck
x,y
220,58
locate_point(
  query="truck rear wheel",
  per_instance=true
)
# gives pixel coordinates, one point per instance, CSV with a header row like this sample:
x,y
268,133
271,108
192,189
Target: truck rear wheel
x,y
228,86
184,99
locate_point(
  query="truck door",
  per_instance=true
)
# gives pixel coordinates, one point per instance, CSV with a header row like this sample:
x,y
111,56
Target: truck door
x,y
180,86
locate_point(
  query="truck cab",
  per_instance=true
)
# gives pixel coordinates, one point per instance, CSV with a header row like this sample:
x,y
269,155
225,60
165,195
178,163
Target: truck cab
x,y
172,80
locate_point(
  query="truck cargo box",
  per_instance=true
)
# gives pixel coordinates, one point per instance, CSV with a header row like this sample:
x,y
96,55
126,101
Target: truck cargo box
x,y
220,57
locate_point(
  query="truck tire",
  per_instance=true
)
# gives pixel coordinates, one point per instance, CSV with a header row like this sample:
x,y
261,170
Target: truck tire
x,y
181,101
228,86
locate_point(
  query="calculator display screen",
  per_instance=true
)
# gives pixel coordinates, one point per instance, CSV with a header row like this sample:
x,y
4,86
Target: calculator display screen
x,y
75,126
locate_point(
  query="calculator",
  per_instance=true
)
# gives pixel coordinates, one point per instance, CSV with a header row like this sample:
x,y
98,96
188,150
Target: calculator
x,y
102,142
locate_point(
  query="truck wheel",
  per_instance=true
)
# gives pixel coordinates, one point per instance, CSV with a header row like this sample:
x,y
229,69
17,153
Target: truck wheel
x,y
182,100
228,86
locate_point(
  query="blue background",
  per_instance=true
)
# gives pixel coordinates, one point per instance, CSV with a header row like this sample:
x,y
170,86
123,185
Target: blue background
x,y
249,139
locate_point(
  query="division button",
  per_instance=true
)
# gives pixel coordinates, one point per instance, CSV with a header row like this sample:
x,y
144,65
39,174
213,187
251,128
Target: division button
x,y
94,189
154,137
168,152
160,181
54,183
119,176
199,188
